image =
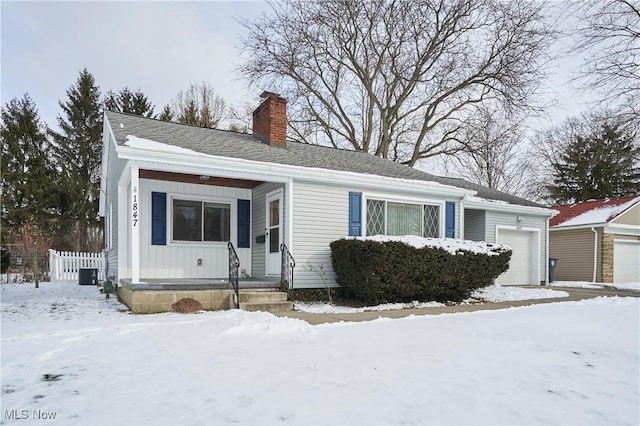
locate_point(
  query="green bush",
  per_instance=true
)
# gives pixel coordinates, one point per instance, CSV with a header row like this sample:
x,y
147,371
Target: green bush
x,y
388,272
5,260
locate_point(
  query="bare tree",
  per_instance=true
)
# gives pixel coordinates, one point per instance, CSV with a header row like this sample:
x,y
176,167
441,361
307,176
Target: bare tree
x,y
610,33
239,117
396,78
495,153
198,105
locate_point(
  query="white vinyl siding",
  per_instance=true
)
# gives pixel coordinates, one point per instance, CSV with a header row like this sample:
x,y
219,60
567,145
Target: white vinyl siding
x,y
179,259
494,219
474,225
115,168
320,216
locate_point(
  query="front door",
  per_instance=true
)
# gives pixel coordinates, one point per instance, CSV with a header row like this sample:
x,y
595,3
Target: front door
x,y
273,232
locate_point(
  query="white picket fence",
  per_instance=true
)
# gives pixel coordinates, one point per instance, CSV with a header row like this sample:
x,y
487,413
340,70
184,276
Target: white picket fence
x,y
64,265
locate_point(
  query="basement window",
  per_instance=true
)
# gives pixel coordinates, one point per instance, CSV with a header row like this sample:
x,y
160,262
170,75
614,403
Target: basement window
x,y
201,221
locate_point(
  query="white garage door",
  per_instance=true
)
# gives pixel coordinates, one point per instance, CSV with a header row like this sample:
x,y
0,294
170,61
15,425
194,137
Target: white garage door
x,y
626,261
519,272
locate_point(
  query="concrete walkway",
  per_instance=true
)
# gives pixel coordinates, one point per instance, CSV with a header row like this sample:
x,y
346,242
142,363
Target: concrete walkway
x,y
574,294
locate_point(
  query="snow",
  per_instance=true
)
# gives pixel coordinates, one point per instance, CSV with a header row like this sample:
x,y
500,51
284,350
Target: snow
x,y
449,244
494,293
589,284
599,215
497,293
477,199
149,145
69,352
326,308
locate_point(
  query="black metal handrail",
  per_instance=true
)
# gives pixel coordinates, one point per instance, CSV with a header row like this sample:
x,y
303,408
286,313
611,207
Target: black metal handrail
x,y
286,269
234,267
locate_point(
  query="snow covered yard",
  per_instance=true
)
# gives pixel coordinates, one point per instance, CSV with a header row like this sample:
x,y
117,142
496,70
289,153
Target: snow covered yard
x,y
68,352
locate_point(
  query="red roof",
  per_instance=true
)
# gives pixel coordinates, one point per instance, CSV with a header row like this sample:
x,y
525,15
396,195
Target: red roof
x,y
570,211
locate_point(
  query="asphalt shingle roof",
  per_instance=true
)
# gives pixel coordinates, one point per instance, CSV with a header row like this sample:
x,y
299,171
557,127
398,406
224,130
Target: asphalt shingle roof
x,y
244,146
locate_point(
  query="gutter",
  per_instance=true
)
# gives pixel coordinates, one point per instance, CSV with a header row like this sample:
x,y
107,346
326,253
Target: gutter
x,y
595,253
276,172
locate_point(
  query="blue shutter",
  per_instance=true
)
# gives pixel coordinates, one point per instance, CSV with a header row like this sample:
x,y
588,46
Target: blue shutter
x,y
244,223
158,218
450,220
355,214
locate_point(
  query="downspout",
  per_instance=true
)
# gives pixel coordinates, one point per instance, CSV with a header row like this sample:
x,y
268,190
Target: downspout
x,y
546,267
595,253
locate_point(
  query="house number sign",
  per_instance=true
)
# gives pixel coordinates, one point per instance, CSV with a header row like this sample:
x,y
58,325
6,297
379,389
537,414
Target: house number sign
x,y
134,207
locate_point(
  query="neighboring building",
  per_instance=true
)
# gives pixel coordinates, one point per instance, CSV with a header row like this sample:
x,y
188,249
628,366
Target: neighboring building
x,y
174,195
597,241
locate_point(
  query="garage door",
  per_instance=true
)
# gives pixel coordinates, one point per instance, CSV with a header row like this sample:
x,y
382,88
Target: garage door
x,y
626,261
519,272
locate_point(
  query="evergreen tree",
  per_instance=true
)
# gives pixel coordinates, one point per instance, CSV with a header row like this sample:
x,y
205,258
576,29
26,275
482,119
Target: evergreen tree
x,y
129,102
78,154
27,172
603,164
166,114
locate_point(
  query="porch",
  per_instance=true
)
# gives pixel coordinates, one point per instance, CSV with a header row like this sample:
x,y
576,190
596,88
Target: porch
x,y
155,295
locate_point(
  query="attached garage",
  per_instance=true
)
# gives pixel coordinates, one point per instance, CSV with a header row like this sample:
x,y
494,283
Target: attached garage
x,y
626,261
523,265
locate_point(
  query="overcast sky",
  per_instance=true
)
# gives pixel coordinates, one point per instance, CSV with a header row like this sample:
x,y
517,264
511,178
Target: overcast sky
x,y
159,47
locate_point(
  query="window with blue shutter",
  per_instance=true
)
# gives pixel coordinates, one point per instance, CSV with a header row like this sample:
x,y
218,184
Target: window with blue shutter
x,y
355,214
450,220
244,223
158,218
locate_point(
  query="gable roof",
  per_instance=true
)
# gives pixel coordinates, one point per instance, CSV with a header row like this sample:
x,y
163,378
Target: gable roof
x,y
245,146
592,212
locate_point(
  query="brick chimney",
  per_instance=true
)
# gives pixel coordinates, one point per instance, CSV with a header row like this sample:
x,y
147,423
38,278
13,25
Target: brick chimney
x,y
270,120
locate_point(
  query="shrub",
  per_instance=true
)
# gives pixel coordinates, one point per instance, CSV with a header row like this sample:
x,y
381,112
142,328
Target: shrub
x,y
392,271
5,259
187,306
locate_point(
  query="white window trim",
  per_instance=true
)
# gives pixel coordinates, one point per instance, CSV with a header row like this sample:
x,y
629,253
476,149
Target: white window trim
x,y
403,200
109,228
233,219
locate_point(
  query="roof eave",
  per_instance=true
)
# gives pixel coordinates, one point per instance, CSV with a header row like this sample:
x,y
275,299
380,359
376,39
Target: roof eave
x,y
275,171
514,208
560,227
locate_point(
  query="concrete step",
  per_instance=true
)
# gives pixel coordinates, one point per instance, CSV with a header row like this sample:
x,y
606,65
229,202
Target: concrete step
x,y
267,306
262,296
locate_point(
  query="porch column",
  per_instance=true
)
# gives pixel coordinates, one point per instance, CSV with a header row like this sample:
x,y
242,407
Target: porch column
x,y
288,187
134,222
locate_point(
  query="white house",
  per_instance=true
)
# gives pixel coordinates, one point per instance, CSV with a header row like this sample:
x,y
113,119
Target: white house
x,y
174,196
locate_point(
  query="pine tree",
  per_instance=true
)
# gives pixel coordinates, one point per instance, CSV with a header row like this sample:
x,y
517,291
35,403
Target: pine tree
x,y
27,172
601,165
129,102
166,114
78,154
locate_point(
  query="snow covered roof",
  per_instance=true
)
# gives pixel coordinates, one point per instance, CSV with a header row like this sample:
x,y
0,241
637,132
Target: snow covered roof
x,y
592,212
142,132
